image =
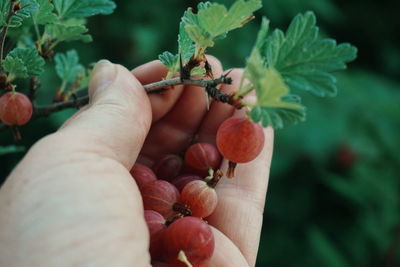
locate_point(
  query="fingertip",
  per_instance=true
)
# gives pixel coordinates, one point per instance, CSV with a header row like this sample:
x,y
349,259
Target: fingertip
x,y
150,72
224,247
161,103
114,81
236,75
216,65
104,73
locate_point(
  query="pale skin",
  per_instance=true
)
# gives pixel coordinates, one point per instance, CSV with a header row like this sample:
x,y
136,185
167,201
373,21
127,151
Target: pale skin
x,y
72,202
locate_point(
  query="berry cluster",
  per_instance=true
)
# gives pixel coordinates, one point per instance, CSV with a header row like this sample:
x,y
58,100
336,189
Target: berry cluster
x,y
177,194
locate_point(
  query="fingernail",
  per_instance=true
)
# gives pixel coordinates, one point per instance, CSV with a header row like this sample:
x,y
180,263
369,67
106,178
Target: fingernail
x,y
104,73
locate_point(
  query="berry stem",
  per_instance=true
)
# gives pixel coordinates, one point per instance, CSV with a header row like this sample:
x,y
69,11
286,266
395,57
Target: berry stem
x,y
182,257
217,175
16,133
182,209
230,173
173,218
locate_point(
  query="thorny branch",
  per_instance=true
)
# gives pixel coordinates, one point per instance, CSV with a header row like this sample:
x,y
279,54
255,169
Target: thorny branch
x,y
152,88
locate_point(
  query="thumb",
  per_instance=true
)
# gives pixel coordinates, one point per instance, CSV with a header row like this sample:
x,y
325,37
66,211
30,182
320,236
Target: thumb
x,y
72,201
117,118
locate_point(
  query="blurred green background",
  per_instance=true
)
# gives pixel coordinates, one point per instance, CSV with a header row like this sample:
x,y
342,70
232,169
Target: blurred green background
x,y
334,192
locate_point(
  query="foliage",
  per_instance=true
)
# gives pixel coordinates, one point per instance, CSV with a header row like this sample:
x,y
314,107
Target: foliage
x,y
68,30
298,60
23,62
20,15
278,62
83,8
44,13
199,31
67,66
60,21
213,21
305,61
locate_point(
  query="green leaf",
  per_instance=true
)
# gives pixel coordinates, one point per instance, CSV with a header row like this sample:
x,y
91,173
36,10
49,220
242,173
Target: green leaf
x,y
277,118
186,50
15,66
186,45
305,61
44,14
70,30
198,72
67,66
195,32
83,8
275,106
200,30
23,62
190,23
11,149
4,7
262,34
28,6
170,61
213,20
311,71
270,89
283,62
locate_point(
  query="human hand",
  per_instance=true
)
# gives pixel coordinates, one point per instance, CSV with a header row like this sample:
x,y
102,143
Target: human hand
x,y
72,202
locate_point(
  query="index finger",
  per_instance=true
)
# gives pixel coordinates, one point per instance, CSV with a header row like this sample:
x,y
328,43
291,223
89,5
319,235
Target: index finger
x,y
161,104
